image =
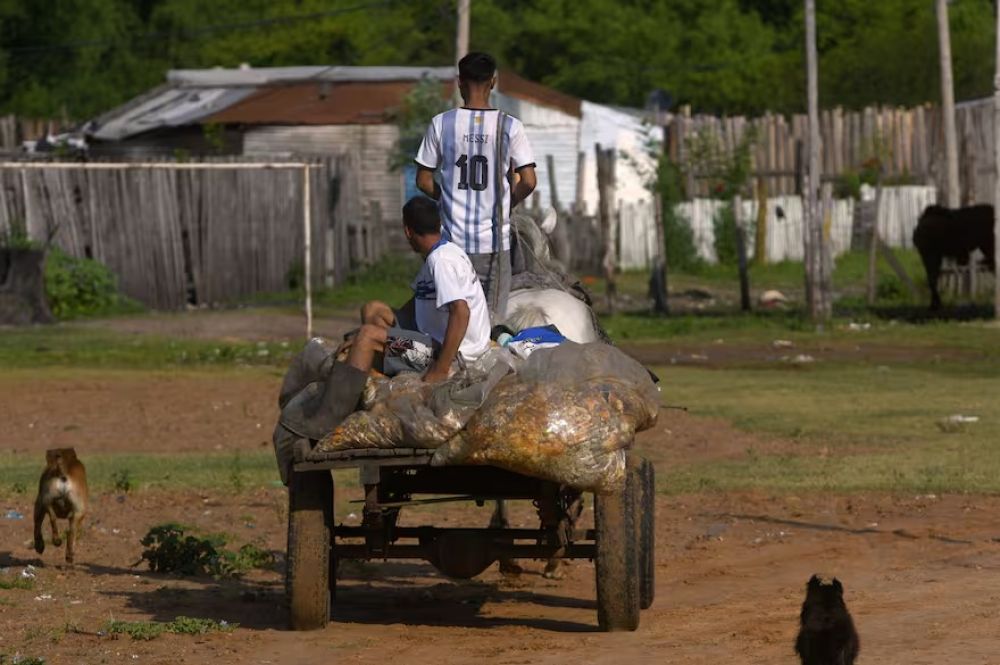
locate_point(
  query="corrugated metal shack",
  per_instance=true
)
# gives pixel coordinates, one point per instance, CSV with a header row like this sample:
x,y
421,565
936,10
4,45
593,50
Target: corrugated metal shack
x,y
324,111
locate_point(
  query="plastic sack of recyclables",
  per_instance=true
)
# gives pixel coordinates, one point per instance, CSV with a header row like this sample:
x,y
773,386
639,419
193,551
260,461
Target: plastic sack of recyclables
x,y
573,436
568,416
406,412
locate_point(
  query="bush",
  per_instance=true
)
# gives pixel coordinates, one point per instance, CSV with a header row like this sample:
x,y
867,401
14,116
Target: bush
x,y
82,287
170,550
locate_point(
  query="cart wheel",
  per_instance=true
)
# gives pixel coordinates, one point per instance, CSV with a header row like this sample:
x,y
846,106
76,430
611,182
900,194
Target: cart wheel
x,y
647,533
310,529
617,558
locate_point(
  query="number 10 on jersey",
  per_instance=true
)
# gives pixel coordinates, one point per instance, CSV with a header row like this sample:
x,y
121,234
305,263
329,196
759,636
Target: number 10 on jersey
x,y
480,172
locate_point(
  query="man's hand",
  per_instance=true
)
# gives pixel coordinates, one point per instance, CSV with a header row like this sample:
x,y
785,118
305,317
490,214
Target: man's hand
x,y
458,323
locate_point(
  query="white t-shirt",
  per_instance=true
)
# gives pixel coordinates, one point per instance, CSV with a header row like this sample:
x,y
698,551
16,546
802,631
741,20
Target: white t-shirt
x,y
462,143
446,276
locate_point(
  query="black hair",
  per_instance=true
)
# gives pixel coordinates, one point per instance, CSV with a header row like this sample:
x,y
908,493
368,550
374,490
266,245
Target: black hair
x,y
477,67
420,215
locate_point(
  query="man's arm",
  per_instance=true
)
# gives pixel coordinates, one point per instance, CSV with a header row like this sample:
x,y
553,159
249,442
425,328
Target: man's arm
x,y
426,183
458,324
526,183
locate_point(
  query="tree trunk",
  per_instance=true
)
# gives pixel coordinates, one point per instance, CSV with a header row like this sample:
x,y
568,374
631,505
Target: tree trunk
x,y
22,287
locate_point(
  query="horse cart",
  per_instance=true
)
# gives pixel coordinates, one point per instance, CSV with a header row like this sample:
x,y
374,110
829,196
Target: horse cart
x,y
620,544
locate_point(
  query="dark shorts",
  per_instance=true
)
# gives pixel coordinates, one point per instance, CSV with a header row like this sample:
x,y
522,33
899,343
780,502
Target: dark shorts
x,y
495,276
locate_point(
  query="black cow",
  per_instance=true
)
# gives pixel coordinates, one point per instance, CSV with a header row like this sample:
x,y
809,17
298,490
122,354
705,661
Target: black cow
x,y
942,232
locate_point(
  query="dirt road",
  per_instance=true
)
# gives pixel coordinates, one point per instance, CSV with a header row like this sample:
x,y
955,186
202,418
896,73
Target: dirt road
x,y
922,574
921,578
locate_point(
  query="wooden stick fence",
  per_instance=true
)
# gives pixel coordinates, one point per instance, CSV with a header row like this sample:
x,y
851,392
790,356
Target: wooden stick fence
x,y
216,230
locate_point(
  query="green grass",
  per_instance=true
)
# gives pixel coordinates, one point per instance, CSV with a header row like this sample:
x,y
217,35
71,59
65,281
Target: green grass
x,y
150,630
387,280
146,471
25,583
75,346
846,427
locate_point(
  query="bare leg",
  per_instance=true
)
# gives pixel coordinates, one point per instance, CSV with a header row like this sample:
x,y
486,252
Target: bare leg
x,y
369,341
377,313
56,539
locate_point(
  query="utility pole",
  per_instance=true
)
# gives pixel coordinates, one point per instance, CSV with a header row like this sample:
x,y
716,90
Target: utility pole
x,y
462,33
948,107
817,296
996,176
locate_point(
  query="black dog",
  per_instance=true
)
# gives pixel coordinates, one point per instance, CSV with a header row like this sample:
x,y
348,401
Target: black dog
x,y
942,232
827,636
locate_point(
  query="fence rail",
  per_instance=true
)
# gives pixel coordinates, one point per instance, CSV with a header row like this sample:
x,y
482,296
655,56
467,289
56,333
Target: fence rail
x,y
908,142
205,233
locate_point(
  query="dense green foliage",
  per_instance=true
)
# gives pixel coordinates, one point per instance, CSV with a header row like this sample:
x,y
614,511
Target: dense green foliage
x,y
80,57
82,287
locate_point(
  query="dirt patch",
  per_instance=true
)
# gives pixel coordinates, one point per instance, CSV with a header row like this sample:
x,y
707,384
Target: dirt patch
x,y
920,576
921,573
720,354
98,411
242,324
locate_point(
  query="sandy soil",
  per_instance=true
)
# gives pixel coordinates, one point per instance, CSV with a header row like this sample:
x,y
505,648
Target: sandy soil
x,y
920,572
920,575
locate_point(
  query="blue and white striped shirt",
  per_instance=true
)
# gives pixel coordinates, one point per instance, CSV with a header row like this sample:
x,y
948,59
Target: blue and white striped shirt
x,y
462,144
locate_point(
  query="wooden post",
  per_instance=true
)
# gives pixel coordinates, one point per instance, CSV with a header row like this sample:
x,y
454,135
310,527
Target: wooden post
x,y
760,238
817,300
606,189
462,31
873,243
741,253
996,177
658,277
952,191
550,166
685,163
307,247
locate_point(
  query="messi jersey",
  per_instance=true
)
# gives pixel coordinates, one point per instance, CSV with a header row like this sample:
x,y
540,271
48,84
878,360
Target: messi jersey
x,y
462,144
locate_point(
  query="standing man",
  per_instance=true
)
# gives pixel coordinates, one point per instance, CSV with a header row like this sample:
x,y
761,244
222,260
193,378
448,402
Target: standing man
x,y
478,150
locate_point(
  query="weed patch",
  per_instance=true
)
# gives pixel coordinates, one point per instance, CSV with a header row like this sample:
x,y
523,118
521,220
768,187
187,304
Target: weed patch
x,y
171,549
182,625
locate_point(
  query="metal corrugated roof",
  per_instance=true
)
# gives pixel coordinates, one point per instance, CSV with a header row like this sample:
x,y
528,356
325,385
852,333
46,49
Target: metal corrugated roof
x,y
270,75
168,107
320,103
291,95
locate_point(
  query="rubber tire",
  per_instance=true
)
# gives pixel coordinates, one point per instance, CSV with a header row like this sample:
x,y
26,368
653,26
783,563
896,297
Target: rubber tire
x,y
647,534
310,530
617,558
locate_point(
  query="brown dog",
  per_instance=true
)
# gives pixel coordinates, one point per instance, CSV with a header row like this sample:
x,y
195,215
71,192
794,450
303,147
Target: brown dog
x,y
62,492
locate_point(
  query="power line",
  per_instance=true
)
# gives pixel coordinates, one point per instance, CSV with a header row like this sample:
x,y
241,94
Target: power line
x,y
209,29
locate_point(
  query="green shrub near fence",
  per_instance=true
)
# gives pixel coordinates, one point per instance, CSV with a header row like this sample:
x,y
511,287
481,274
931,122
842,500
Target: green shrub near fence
x,y
78,287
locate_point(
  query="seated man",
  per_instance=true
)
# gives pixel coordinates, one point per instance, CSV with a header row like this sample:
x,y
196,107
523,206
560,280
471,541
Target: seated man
x,y
316,395
448,302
